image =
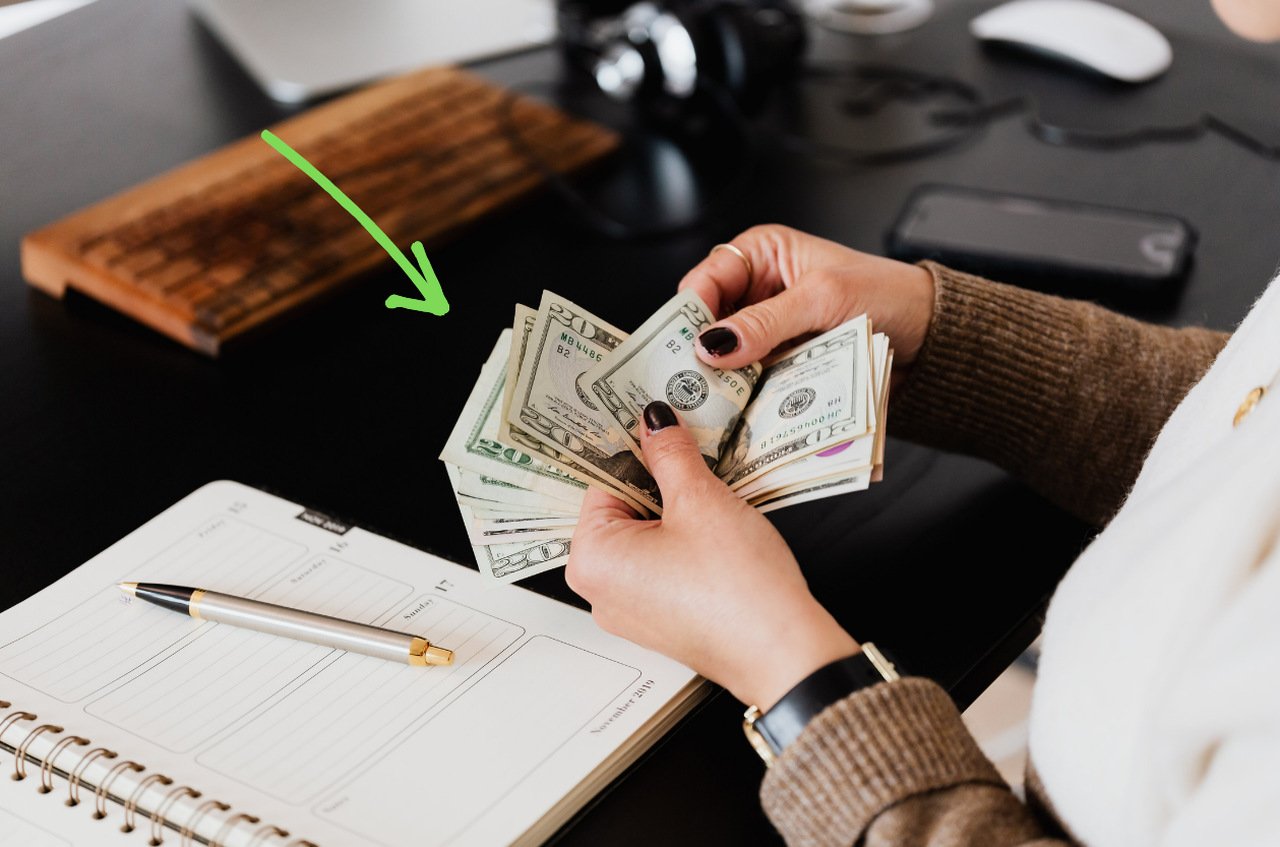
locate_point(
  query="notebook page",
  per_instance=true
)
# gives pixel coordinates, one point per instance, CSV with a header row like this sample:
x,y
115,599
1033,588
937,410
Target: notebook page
x,y
334,747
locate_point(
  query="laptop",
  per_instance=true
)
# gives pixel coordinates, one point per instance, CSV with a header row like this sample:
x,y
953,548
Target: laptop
x,y
299,50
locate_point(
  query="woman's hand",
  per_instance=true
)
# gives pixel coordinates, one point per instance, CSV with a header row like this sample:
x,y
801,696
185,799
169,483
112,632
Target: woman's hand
x,y
803,284
711,584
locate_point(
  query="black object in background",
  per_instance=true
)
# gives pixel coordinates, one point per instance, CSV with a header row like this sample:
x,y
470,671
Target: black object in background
x,y
663,55
1075,248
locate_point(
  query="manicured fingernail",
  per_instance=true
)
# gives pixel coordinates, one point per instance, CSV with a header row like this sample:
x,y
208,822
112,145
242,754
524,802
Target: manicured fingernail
x,y
658,416
718,341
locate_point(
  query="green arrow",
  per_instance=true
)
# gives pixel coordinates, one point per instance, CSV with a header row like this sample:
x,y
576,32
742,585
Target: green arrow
x,y
433,300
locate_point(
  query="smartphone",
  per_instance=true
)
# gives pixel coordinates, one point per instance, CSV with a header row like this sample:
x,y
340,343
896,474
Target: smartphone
x,y
1072,248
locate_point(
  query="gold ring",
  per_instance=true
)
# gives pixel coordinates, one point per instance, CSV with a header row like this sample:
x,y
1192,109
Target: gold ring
x,y
743,256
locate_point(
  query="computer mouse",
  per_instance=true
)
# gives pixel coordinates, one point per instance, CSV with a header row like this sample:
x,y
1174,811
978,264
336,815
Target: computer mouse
x,y
1102,38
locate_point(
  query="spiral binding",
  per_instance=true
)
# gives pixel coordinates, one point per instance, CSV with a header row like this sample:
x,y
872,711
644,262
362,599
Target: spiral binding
x,y
268,835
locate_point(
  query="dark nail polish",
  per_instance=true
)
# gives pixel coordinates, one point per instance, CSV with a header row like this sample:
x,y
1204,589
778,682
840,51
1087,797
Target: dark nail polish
x,y
718,341
658,416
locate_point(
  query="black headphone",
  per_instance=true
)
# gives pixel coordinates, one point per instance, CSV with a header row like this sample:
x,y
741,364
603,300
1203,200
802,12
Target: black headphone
x,y
651,51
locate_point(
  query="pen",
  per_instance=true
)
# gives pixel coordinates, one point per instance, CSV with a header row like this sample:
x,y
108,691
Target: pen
x,y
292,623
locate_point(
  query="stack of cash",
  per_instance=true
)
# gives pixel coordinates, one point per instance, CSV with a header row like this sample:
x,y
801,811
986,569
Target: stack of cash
x,y
560,400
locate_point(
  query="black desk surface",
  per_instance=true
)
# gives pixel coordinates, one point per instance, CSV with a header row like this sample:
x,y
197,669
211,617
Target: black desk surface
x,y
344,409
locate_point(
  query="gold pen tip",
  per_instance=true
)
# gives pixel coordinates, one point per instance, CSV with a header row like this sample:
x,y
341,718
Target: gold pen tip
x,y
422,653
130,588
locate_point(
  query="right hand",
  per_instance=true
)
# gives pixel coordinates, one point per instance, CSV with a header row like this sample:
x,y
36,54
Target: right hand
x,y
803,284
712,584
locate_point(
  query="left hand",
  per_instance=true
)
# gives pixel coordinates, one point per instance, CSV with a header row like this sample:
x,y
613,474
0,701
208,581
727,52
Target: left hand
x,y
712,584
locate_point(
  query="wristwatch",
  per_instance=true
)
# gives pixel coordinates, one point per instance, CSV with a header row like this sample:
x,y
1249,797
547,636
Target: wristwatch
x,y
770,732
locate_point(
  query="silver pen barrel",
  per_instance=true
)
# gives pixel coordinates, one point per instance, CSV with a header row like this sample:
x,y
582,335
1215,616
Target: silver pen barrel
x,y
317,629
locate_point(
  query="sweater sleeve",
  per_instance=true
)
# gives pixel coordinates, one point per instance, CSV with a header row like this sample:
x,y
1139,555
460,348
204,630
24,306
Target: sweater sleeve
x,y
1064,394
892,765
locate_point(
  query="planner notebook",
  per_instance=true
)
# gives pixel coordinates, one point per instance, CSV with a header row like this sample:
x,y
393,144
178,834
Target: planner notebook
x,y
132,724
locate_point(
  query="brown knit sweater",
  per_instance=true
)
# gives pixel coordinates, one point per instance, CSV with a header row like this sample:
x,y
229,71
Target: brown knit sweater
x,y
1069,397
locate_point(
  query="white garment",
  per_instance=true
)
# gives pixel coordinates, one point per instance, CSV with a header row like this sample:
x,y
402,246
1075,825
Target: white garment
x,y
1156,715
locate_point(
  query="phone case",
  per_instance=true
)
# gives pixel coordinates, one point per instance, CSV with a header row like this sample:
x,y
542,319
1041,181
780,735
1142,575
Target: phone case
x,y
1077,278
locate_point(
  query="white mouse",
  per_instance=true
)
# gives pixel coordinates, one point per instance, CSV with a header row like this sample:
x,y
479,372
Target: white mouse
x,y
1101,37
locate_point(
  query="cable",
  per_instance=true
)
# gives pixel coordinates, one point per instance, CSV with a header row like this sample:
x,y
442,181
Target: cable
x,y
878,87
884,85
1065,137
881,86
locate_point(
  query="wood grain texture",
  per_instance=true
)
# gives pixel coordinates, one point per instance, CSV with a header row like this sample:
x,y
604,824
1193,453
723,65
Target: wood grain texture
x,y
237,238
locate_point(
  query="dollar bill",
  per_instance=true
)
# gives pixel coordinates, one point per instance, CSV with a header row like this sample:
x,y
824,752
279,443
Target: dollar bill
x,y
659,362
813,491
486,509
813,397
509,562
875,340
475,447
513,529
521,330
512,433
508,433
486,489
877,472
557,406
548,403
489,523
846,458
528,535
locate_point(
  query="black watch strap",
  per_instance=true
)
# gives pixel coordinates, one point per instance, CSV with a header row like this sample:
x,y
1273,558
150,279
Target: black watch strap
x,y
784,722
